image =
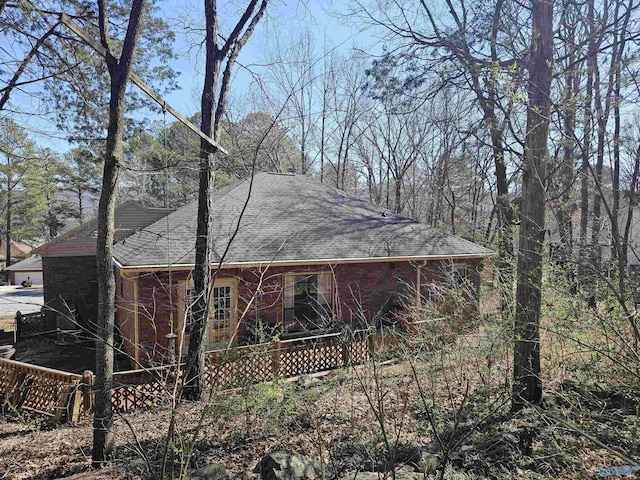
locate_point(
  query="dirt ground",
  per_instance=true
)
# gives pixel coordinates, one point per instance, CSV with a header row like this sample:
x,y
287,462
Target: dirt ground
x,y
449,397
7,322
53,352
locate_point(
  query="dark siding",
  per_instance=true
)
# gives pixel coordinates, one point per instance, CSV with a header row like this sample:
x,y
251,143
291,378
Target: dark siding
x,y
70,283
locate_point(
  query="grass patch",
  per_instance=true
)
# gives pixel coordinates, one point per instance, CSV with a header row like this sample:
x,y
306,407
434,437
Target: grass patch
x,y
7,322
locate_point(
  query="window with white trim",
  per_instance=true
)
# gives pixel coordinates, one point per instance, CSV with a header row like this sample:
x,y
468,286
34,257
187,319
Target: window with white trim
x,y
222,317
221,307
308,298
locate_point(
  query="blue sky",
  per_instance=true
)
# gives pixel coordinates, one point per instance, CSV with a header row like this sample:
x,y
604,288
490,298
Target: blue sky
x,y
285,19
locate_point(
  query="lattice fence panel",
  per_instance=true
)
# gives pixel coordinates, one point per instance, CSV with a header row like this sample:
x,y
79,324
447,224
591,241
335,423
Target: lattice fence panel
x,y
243,367
6,373
358,351
144,395
37,389
42,394
29,324
310,359
142,388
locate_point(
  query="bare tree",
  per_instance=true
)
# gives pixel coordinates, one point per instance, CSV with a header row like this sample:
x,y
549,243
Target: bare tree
x,y
220,60
119,71
449,38
526,357
293,70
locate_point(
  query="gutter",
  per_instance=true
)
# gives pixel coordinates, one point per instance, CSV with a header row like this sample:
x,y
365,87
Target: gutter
x,y
319,261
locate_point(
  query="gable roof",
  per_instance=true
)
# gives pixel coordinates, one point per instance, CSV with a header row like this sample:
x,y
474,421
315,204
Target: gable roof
x,y
290,218
29,264
81,241
18,249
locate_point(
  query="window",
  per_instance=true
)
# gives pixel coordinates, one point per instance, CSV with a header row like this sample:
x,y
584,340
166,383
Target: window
x,y
222,318
308,299
221,307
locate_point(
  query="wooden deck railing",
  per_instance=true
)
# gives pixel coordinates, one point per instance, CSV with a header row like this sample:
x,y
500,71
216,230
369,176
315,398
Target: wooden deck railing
x,y
63,395
41,390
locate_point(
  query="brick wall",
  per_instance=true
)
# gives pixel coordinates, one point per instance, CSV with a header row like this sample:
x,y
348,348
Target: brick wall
x,y
70,283
156,309
363,291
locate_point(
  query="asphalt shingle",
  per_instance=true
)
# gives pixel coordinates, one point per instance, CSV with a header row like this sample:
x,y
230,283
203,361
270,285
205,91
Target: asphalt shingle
x,y
290,218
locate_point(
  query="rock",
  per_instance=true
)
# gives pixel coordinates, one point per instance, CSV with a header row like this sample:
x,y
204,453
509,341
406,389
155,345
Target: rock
x,y
405,472
307,381
363,476
213,471
402,472
428,463
286,466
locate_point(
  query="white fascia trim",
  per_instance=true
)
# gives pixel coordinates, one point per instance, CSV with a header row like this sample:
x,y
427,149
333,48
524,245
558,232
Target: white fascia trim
x,y
323,261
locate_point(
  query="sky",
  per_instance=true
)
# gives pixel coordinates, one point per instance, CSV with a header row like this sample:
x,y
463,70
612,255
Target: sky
x,y
285,19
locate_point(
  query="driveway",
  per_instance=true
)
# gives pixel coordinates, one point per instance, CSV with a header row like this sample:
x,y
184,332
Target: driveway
x,y
15,297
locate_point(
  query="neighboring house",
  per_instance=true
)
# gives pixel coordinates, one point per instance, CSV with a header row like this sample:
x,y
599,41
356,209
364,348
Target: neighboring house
x,y
628,224
303,256
28,269
19,251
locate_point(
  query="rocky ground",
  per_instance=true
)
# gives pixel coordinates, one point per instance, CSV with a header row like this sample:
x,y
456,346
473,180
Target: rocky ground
x,y
453,414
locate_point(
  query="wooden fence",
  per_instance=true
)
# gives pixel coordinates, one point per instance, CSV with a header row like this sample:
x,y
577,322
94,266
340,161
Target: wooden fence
x,y
286,358
56,394
64,396
251,364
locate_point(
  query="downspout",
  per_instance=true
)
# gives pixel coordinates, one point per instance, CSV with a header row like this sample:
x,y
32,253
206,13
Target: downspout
x,y
136,323
418,298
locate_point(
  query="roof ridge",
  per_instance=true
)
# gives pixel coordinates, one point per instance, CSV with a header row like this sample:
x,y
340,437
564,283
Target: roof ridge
x,y
142,205
380,208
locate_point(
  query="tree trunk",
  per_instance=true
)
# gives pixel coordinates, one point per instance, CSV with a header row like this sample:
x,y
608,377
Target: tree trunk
x,y
567,169
212,105
398,191
7,260
194,383
80,207
527,383
119,72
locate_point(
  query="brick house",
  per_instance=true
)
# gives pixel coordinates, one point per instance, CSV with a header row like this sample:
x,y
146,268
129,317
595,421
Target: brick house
x,y
303,256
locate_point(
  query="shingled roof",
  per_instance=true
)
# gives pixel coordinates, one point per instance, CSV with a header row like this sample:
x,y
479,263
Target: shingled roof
x,y
290,218
129,217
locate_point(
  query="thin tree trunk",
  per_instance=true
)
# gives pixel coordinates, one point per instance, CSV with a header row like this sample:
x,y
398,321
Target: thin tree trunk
x,y
602,113
194,384
619,248
119,72
80,207
526,361
8,237
398,199
213,104
583,266
567,170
